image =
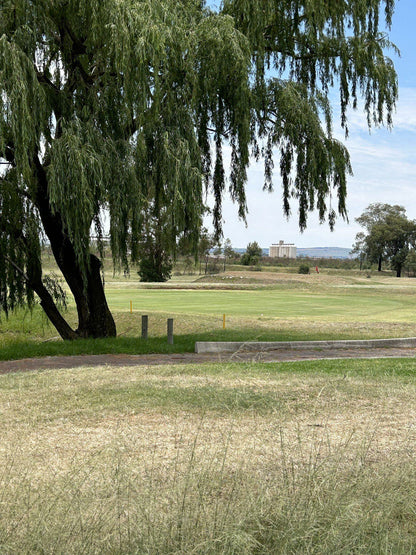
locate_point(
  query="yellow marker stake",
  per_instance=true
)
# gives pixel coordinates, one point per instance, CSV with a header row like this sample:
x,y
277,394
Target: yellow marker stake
x,y
223,321
131,307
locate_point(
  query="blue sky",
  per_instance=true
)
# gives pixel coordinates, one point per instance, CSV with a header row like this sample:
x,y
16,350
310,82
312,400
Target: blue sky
x,y
384,164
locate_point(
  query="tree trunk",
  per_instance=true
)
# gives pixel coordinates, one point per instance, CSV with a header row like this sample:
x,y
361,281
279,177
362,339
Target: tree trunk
x,y
94,317
52,312
399,271
379,263
34,281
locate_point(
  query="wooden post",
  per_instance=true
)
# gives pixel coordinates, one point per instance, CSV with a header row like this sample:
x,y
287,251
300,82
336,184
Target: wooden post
x,y
223,321
145,322
170,331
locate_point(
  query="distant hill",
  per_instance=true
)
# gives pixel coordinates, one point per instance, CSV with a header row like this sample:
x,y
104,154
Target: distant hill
x,y
324,252
314,252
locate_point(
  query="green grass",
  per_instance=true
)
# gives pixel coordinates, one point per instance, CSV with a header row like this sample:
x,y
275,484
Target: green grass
x,y
291,308
314,306
308,457
18,345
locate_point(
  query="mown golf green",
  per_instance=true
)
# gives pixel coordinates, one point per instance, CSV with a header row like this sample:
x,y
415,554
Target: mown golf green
x,y
355,305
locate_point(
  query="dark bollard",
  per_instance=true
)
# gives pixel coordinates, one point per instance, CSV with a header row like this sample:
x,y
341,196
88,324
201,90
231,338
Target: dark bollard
x,y
145,322
170,331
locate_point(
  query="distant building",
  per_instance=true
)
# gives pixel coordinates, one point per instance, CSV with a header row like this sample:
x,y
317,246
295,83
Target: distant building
x,y
282,250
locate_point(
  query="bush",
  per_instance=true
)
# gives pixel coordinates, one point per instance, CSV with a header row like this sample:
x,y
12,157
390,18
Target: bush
x,y
303,269
155,266
213,268
252,255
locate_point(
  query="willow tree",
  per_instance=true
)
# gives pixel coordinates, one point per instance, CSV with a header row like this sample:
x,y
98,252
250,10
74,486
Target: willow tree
x,y
109,105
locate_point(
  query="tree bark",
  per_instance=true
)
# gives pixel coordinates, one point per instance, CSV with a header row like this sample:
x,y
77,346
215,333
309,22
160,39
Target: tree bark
x,y
94,317
52,312
34,281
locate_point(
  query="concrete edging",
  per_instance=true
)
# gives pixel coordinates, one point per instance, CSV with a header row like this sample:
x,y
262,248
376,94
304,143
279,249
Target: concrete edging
x,y
262,346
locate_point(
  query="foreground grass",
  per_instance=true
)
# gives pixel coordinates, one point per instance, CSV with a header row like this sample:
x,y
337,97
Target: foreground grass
x,y
311,457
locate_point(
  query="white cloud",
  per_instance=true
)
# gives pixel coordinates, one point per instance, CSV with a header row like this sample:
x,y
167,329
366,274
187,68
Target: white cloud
x,y
404,117
384,165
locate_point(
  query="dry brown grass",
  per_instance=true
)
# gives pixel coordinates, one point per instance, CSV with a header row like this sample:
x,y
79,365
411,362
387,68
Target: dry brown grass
x,y
305,410
321,280
212,459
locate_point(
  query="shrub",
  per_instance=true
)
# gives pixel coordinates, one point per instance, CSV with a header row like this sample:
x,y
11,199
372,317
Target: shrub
x,y
303,269
213,268
252,255
155,266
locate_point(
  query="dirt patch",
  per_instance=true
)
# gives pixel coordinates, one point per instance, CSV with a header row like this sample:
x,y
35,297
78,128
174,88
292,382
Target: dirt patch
x,y
30,364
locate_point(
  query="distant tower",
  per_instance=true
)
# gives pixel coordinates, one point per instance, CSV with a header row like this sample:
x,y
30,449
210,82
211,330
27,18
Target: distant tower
x,y
282,250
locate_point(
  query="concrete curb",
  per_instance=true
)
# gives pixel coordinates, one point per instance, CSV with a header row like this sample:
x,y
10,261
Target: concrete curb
x,y
262,346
